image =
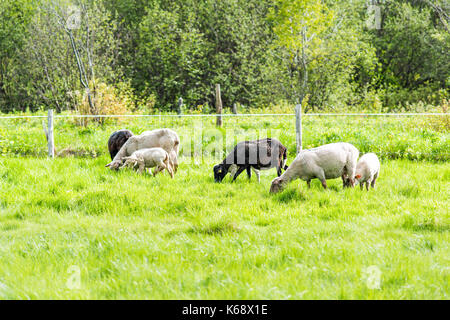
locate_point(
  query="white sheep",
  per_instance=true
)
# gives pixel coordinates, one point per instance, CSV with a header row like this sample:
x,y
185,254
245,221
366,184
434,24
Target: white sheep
x,y
367,170
149,158
163,138
329,161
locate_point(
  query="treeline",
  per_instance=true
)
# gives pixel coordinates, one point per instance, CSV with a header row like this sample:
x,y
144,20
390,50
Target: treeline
x,y
142,55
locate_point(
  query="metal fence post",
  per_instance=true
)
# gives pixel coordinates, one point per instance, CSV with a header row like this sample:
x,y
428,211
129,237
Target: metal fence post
x,y
218,106
50,138
298,127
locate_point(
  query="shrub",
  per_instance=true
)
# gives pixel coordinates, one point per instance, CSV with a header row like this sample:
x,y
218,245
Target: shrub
x,y
107,100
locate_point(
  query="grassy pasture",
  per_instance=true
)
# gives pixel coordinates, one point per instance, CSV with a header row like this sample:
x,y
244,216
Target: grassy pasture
x,y
139,237
132,236
413,138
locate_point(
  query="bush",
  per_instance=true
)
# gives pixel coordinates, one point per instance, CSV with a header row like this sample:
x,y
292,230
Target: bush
x,y
107,100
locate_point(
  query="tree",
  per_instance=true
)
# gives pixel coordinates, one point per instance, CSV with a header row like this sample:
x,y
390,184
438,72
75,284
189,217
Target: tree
x,y
300,27
15,17
46,71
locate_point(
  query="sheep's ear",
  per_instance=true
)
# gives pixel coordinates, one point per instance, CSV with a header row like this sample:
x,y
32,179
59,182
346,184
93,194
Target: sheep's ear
x,y
108,165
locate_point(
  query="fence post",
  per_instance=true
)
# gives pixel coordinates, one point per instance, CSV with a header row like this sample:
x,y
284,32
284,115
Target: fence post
x,y
218,106
50,139
298,127
180,106
234,108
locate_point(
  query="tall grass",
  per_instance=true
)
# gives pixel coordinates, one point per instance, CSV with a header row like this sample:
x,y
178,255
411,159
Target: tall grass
x,y
133,236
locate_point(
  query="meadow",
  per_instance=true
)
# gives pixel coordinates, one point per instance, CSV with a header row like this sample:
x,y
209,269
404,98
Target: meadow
x,y
137,237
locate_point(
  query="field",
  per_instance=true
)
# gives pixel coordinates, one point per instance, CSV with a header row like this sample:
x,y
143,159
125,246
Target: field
x,y
129,236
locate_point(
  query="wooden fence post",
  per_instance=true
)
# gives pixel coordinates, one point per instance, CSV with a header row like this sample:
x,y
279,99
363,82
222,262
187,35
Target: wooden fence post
x,y
180,106
298,127
50,139
218,106
234,108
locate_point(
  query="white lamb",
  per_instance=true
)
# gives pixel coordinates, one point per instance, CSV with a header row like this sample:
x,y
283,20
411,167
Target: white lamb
x,y
367,170
149,158
329,161
163,138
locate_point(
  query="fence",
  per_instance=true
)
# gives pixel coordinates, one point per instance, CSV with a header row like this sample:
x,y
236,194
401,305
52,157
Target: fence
x,y
415,136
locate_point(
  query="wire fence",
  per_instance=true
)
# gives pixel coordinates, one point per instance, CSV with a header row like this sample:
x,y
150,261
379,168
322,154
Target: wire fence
x,y
231,115
413,136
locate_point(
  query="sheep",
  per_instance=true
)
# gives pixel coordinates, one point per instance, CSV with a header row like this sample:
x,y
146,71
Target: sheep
x,y
164,138
149,158
258,155
367,170
117,140
329,161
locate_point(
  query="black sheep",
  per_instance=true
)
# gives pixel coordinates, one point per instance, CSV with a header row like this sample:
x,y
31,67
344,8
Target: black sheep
x,y
117,140
257,155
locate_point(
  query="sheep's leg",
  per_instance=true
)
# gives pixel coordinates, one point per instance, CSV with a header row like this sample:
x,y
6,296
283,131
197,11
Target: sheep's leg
x,y
232,170
374,180
238,172
309,183
257,173
350,175
168,165
157,170
160,167
367,184
174,167
279,173
174,164
249,172
361,185
173,160
169,170
321,177
141,168
344,181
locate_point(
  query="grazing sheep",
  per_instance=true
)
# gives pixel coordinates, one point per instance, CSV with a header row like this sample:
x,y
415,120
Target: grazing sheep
x,y
367,170
257,155
325,162
117,140
149,158
163,138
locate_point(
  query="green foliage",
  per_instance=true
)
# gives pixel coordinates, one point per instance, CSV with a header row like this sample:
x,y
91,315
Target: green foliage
x,y
262,52
413,52
173,57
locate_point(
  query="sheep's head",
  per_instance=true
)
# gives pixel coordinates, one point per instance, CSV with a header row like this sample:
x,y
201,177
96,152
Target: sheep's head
x,y
130,162
114,165
355,181
219,172
277,185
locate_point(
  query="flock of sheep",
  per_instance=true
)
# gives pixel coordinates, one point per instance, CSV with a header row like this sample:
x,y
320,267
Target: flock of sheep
x,y
159,149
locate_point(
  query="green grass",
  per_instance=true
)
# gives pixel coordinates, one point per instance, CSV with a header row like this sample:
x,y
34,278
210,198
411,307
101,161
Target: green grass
x,y
141,237
415,138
